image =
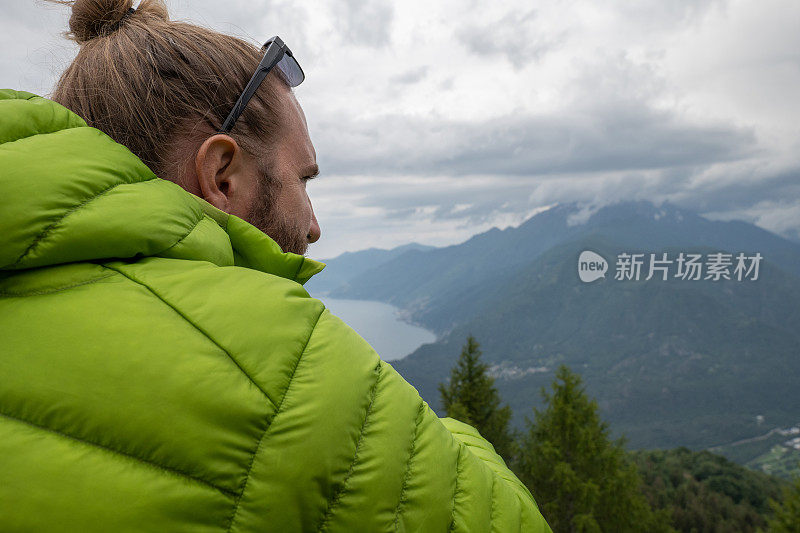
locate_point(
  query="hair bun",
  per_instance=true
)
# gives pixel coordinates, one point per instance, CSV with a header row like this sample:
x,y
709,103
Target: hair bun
x,y
96,18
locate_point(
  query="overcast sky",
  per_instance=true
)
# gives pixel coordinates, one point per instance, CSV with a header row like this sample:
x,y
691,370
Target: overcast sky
x,y
435,120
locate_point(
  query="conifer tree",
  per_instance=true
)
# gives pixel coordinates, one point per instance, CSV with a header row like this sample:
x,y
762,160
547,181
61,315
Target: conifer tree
x,y
581,480
787,512
471,397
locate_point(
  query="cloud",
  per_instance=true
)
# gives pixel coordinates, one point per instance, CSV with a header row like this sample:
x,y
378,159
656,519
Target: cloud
x,y
514,36
656,15
365,22
779,216
410,77
253,20
436,120
621,137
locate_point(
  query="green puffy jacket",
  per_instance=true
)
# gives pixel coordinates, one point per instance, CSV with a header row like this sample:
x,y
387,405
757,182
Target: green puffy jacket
x,y
163,369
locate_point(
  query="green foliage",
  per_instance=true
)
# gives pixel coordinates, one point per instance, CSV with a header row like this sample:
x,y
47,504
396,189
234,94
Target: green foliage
x,y
705,492
787,512
581,480
471,397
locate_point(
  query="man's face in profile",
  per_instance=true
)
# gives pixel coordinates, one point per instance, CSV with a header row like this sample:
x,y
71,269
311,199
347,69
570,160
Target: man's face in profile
x,y
281,207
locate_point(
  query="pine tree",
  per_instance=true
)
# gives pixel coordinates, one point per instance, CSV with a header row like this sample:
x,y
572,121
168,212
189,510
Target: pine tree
x,y
471,397
787,512
581,480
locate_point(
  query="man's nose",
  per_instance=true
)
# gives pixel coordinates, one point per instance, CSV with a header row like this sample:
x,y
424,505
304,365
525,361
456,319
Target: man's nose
x,y
314,232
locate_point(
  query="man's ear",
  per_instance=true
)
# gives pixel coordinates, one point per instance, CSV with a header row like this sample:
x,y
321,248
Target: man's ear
x,y
219,167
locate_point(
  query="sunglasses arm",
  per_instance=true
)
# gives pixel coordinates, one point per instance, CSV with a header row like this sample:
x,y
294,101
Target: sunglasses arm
x,y
271,57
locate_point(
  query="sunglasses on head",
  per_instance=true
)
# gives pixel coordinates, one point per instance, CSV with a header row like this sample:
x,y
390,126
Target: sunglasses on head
x,y
276,53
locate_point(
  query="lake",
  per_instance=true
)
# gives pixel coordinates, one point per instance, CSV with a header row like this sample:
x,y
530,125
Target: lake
x,y
380,326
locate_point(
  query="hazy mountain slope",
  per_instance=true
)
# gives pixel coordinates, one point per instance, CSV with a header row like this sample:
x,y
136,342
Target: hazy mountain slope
x,y
416,278
672,362
349,265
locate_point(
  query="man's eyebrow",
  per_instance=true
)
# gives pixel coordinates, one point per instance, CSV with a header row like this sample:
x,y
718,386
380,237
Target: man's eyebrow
x,y
311,171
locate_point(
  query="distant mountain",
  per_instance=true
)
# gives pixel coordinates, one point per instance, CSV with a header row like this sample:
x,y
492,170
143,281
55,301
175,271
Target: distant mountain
x,y
445,286
416,278
350,265
672,363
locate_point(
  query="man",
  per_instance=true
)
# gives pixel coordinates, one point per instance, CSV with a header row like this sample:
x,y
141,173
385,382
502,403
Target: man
x,y
162,367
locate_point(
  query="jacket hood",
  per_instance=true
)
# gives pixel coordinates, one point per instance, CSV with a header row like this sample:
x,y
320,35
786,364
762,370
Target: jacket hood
x,y
71,193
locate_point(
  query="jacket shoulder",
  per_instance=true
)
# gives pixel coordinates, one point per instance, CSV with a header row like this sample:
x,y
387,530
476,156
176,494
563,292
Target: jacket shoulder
x,y
25,114
230,396
349,445
259,320
148,382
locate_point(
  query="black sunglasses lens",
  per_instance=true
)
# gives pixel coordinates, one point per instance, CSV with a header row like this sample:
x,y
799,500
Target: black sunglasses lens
x,y
291,69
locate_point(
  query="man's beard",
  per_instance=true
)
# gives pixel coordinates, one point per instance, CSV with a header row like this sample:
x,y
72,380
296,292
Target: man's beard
x,y
264,214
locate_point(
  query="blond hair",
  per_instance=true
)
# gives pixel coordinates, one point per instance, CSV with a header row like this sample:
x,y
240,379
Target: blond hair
x,y
153,84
